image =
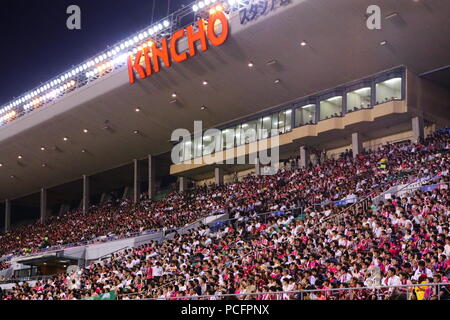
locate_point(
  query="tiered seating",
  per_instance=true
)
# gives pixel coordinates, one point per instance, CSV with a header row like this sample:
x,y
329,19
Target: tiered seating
x,y
284,253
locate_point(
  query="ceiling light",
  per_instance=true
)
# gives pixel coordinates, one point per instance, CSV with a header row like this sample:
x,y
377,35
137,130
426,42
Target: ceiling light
x,y
174,95
383,43
136,131
277,81
250,64
44,165
203,107
42,148
137,109
1,164
83,150
85,130
19,157
303,43
65,138
362,90
205,82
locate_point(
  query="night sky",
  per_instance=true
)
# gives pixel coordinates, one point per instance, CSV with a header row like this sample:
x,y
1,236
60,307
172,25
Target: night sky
x,y
36,44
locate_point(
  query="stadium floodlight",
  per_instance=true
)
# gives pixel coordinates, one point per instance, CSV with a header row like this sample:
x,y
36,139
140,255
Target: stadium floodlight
x,y
136,39
207,2
160,27
141,36
122,46
201,4
232,2
195,8
145,33
166,23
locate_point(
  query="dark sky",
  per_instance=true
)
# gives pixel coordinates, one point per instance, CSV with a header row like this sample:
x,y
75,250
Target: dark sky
x,y
36,44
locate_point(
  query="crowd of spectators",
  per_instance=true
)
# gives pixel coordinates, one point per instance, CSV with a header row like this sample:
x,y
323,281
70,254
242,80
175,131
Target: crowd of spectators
x,y
329,180
402,240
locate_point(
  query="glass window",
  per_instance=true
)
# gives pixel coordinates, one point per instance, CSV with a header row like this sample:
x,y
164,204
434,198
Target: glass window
x,y
284,121
249,132
274,124
208,144
359,99
187,151
288,124
228,138
331,107
389,90
198,147
266,127
305,115
237,135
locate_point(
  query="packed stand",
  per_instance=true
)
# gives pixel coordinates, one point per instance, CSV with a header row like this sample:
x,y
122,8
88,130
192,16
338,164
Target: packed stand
x,y
405,240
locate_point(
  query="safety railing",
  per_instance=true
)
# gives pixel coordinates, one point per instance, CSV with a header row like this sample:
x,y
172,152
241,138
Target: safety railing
x,y
424,291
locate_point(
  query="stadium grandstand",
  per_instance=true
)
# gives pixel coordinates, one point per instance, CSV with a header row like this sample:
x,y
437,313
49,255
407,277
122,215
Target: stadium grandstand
x,y
238,150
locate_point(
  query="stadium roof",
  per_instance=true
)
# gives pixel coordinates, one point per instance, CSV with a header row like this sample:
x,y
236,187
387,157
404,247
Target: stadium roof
x,y
339,49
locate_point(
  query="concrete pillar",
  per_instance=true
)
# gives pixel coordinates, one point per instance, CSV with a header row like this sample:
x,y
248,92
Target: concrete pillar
x,y
86,193
357,145
43,215
151,177
417,128
7,216
218,174
183,184
136,181
305,157
257,167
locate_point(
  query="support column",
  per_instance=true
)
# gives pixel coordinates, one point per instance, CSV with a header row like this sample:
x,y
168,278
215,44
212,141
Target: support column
x,y
137,181
151,177
43,216
257,167
86,195
183,184
7,216
417,128
305,157
357,145
218,174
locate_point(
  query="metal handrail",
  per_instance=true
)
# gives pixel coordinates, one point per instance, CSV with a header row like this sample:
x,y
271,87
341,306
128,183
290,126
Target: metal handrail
x,y
300,293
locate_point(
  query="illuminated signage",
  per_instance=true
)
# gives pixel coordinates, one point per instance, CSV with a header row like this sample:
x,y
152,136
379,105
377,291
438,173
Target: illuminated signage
x,y
148,60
